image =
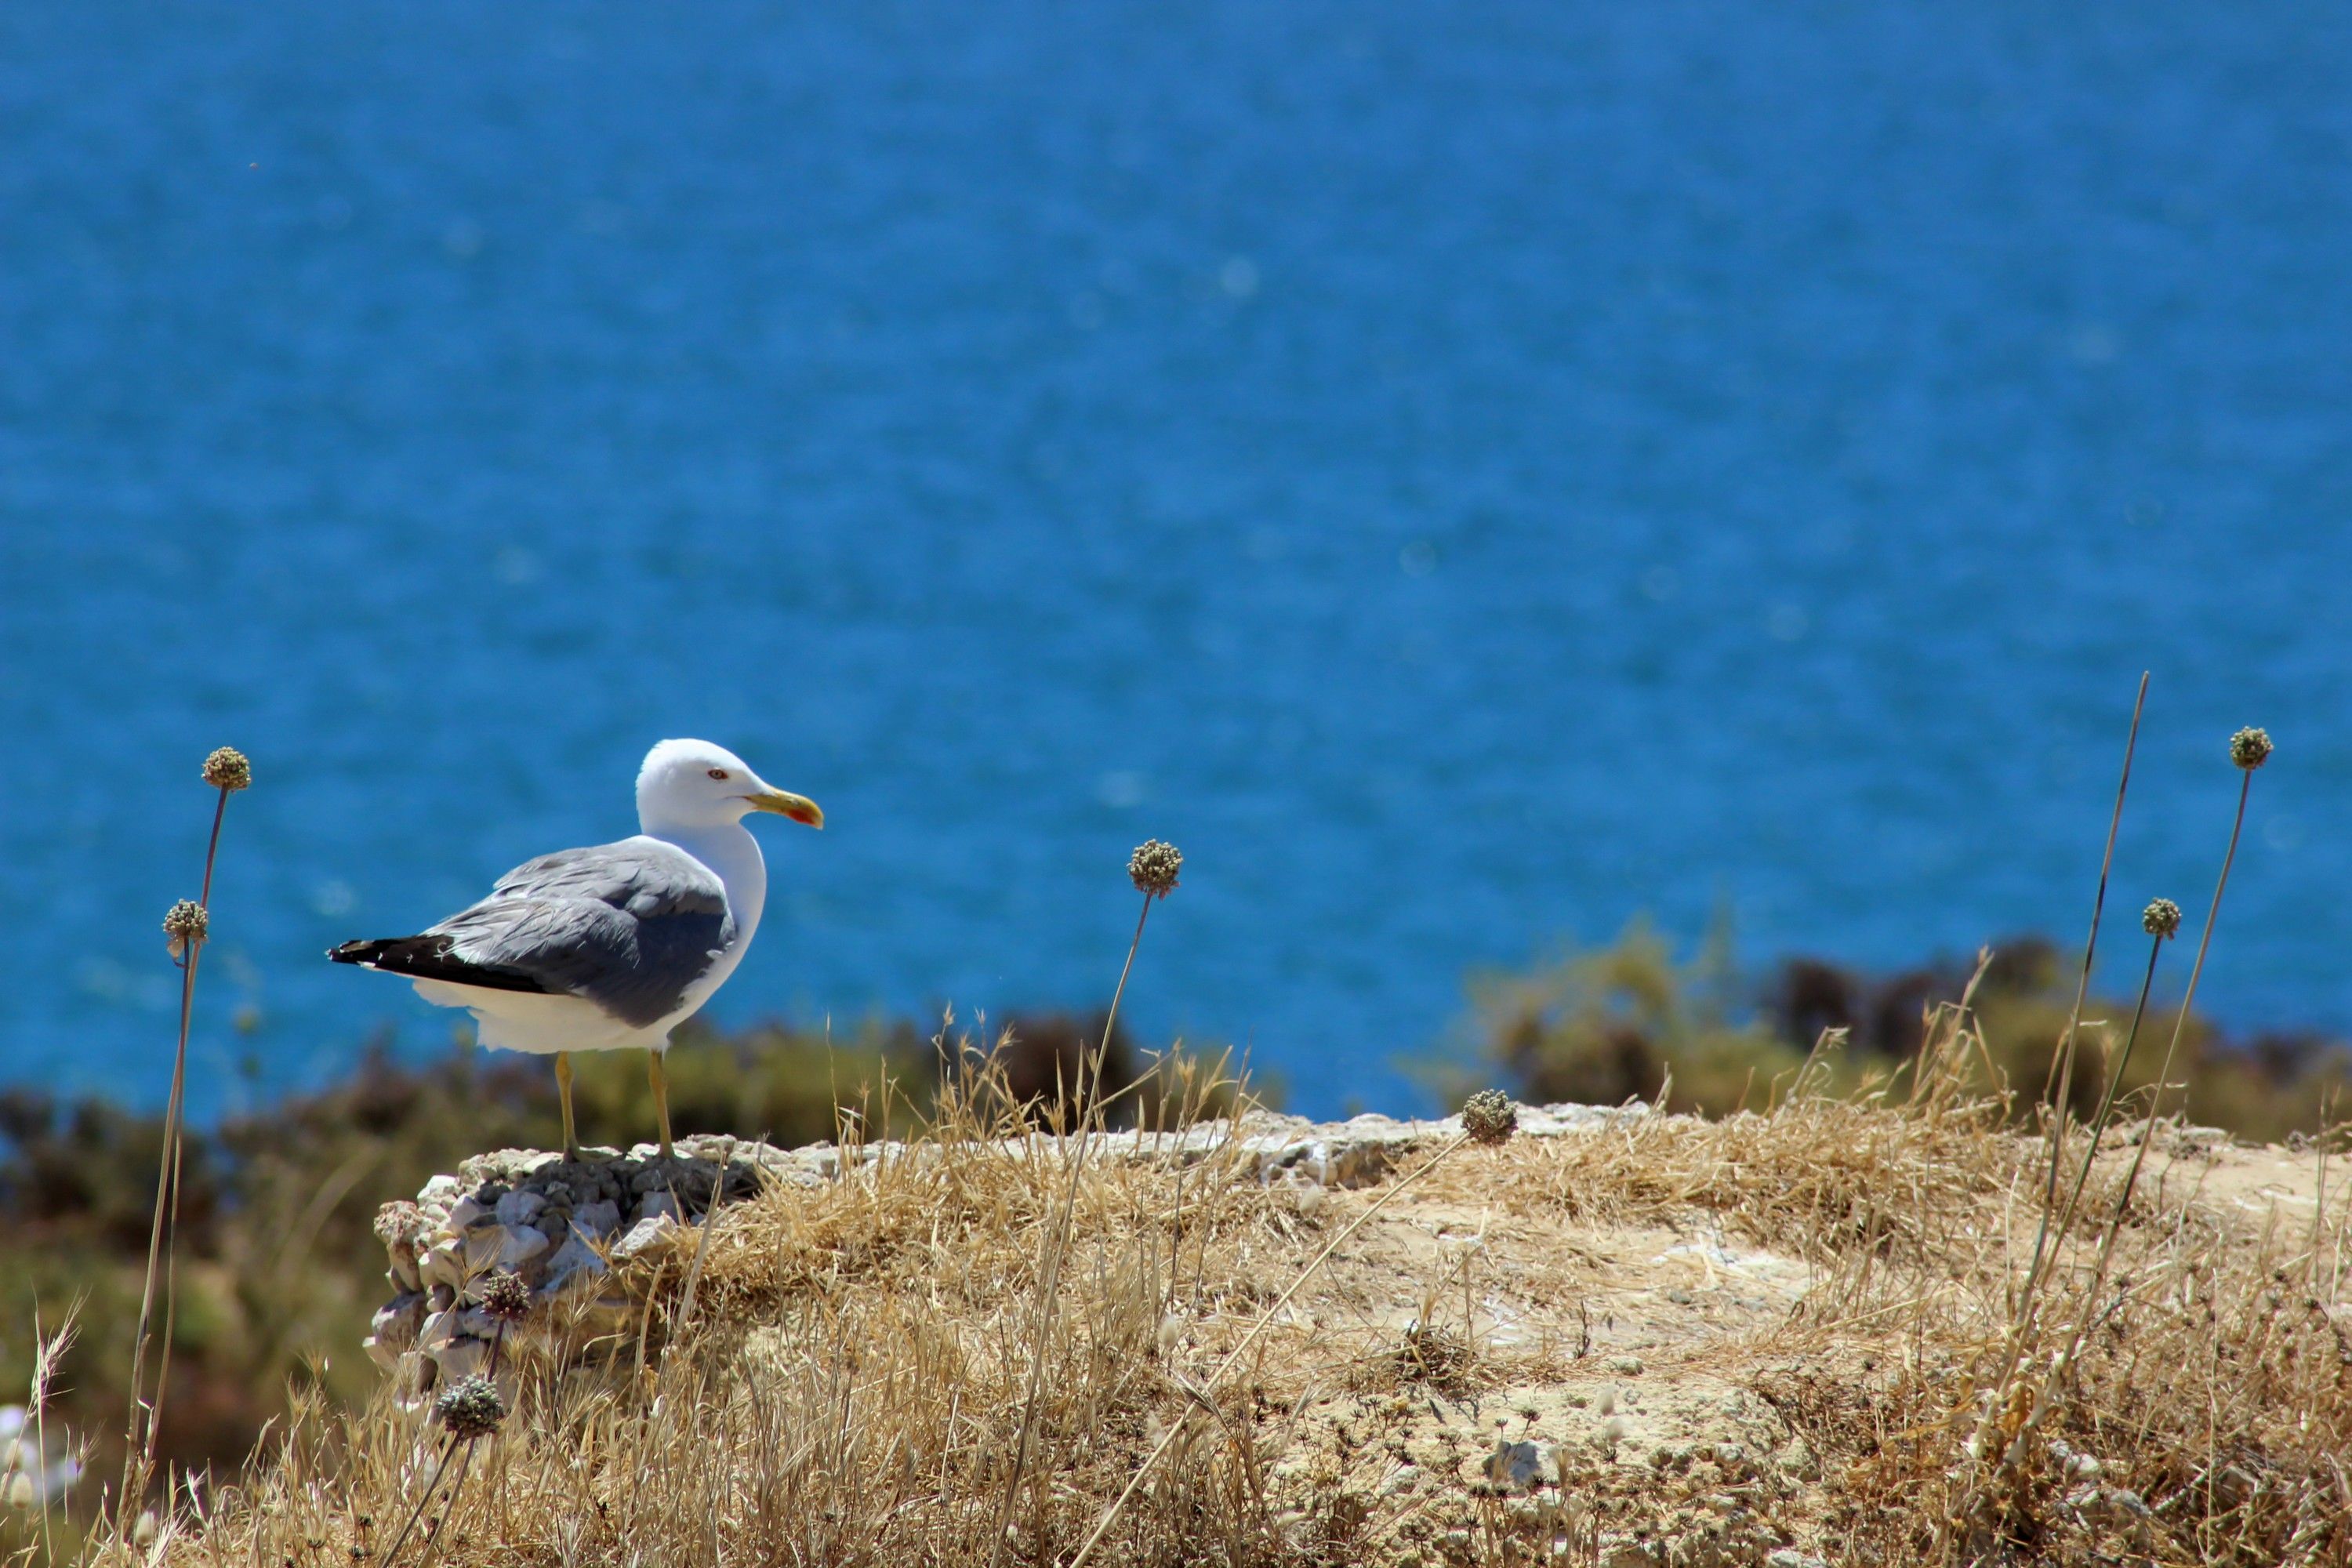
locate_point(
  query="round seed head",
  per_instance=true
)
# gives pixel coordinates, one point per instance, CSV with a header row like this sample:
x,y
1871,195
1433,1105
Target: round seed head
x,y
505,1297
472,1407
20,1492
1153,867
1489,1117
2161,917
227,769
142,1534
2250,748
185,923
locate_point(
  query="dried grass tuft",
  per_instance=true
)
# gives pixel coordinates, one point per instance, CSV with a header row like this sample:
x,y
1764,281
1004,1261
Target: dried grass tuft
x,y
852,1385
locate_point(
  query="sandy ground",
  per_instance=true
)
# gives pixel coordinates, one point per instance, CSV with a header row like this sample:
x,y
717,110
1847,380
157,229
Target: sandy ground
x,y
1488,1362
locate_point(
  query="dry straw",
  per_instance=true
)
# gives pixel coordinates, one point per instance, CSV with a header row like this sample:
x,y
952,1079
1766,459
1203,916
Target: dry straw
x,y
1152,868
2018,1412
1487,1117
850,1389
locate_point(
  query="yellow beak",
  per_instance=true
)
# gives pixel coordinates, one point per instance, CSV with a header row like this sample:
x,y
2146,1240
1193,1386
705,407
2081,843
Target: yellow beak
x,y
784,803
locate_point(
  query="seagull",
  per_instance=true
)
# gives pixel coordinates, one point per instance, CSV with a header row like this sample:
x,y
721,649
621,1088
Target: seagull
x,y
614,945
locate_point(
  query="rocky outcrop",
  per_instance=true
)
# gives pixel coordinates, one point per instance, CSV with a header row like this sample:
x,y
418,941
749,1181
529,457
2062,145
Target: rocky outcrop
x,y
562,1225
569,1228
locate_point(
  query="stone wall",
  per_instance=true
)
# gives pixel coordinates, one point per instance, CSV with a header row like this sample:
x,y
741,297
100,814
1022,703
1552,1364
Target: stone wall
x,y
564,1226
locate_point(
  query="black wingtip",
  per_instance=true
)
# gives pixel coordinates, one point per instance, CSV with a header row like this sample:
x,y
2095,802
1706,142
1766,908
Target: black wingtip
x,y
430,957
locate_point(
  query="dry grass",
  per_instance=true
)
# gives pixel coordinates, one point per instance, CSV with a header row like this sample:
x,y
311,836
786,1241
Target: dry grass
x,y
1720,1338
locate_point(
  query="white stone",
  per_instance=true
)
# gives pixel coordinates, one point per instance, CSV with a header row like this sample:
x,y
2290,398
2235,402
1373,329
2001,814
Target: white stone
x,y
396,1329
443,1264
574,1262
484,1244
437,1330
522,1243
520,1207
647,1234
403,1271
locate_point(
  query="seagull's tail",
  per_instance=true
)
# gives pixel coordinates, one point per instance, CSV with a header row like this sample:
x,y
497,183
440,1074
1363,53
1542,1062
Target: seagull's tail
x,y
361,953
432,956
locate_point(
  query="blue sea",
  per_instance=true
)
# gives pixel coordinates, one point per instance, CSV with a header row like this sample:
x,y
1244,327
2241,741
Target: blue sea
x,y
1471,474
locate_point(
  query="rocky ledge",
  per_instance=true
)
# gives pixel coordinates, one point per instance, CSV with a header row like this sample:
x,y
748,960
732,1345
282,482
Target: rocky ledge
x,y
567,1227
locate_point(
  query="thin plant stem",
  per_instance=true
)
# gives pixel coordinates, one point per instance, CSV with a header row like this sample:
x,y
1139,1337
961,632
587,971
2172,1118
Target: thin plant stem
x,y
1143,1471
2108,1100
2062,1069
2180,1023
46,1350
449,1503
1057,1245
176,1140
2147,1134
2063,1065
2059,1365
2048,1399
146,1420
424,1498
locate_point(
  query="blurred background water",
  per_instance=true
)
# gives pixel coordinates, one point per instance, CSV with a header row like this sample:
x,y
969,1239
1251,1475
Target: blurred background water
x,y
1467,474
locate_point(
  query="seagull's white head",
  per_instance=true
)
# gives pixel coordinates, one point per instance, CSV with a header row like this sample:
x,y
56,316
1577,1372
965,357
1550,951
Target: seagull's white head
x,y
693,783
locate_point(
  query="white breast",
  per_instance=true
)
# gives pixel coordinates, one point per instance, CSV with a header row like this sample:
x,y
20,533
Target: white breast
x,y
733,857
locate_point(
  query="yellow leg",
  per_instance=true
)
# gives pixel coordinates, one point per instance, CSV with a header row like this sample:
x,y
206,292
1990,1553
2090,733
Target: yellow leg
x,y
564,1093
660,1076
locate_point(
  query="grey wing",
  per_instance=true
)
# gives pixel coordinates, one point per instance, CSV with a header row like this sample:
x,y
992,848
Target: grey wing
x,y
628,926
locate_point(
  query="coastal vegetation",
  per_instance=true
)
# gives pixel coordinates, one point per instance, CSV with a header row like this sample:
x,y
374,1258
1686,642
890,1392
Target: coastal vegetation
x,y
1968,1264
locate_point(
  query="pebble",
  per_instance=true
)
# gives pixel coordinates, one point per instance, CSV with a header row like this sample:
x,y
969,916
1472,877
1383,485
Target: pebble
x,y
649,1234
440,1193
1518,1466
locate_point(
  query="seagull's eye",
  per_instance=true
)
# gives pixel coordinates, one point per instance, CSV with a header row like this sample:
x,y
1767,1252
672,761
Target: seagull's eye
x,y
718,773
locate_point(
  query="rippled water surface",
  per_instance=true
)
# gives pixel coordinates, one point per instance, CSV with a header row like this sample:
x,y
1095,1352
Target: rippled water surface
x,y
1468,474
